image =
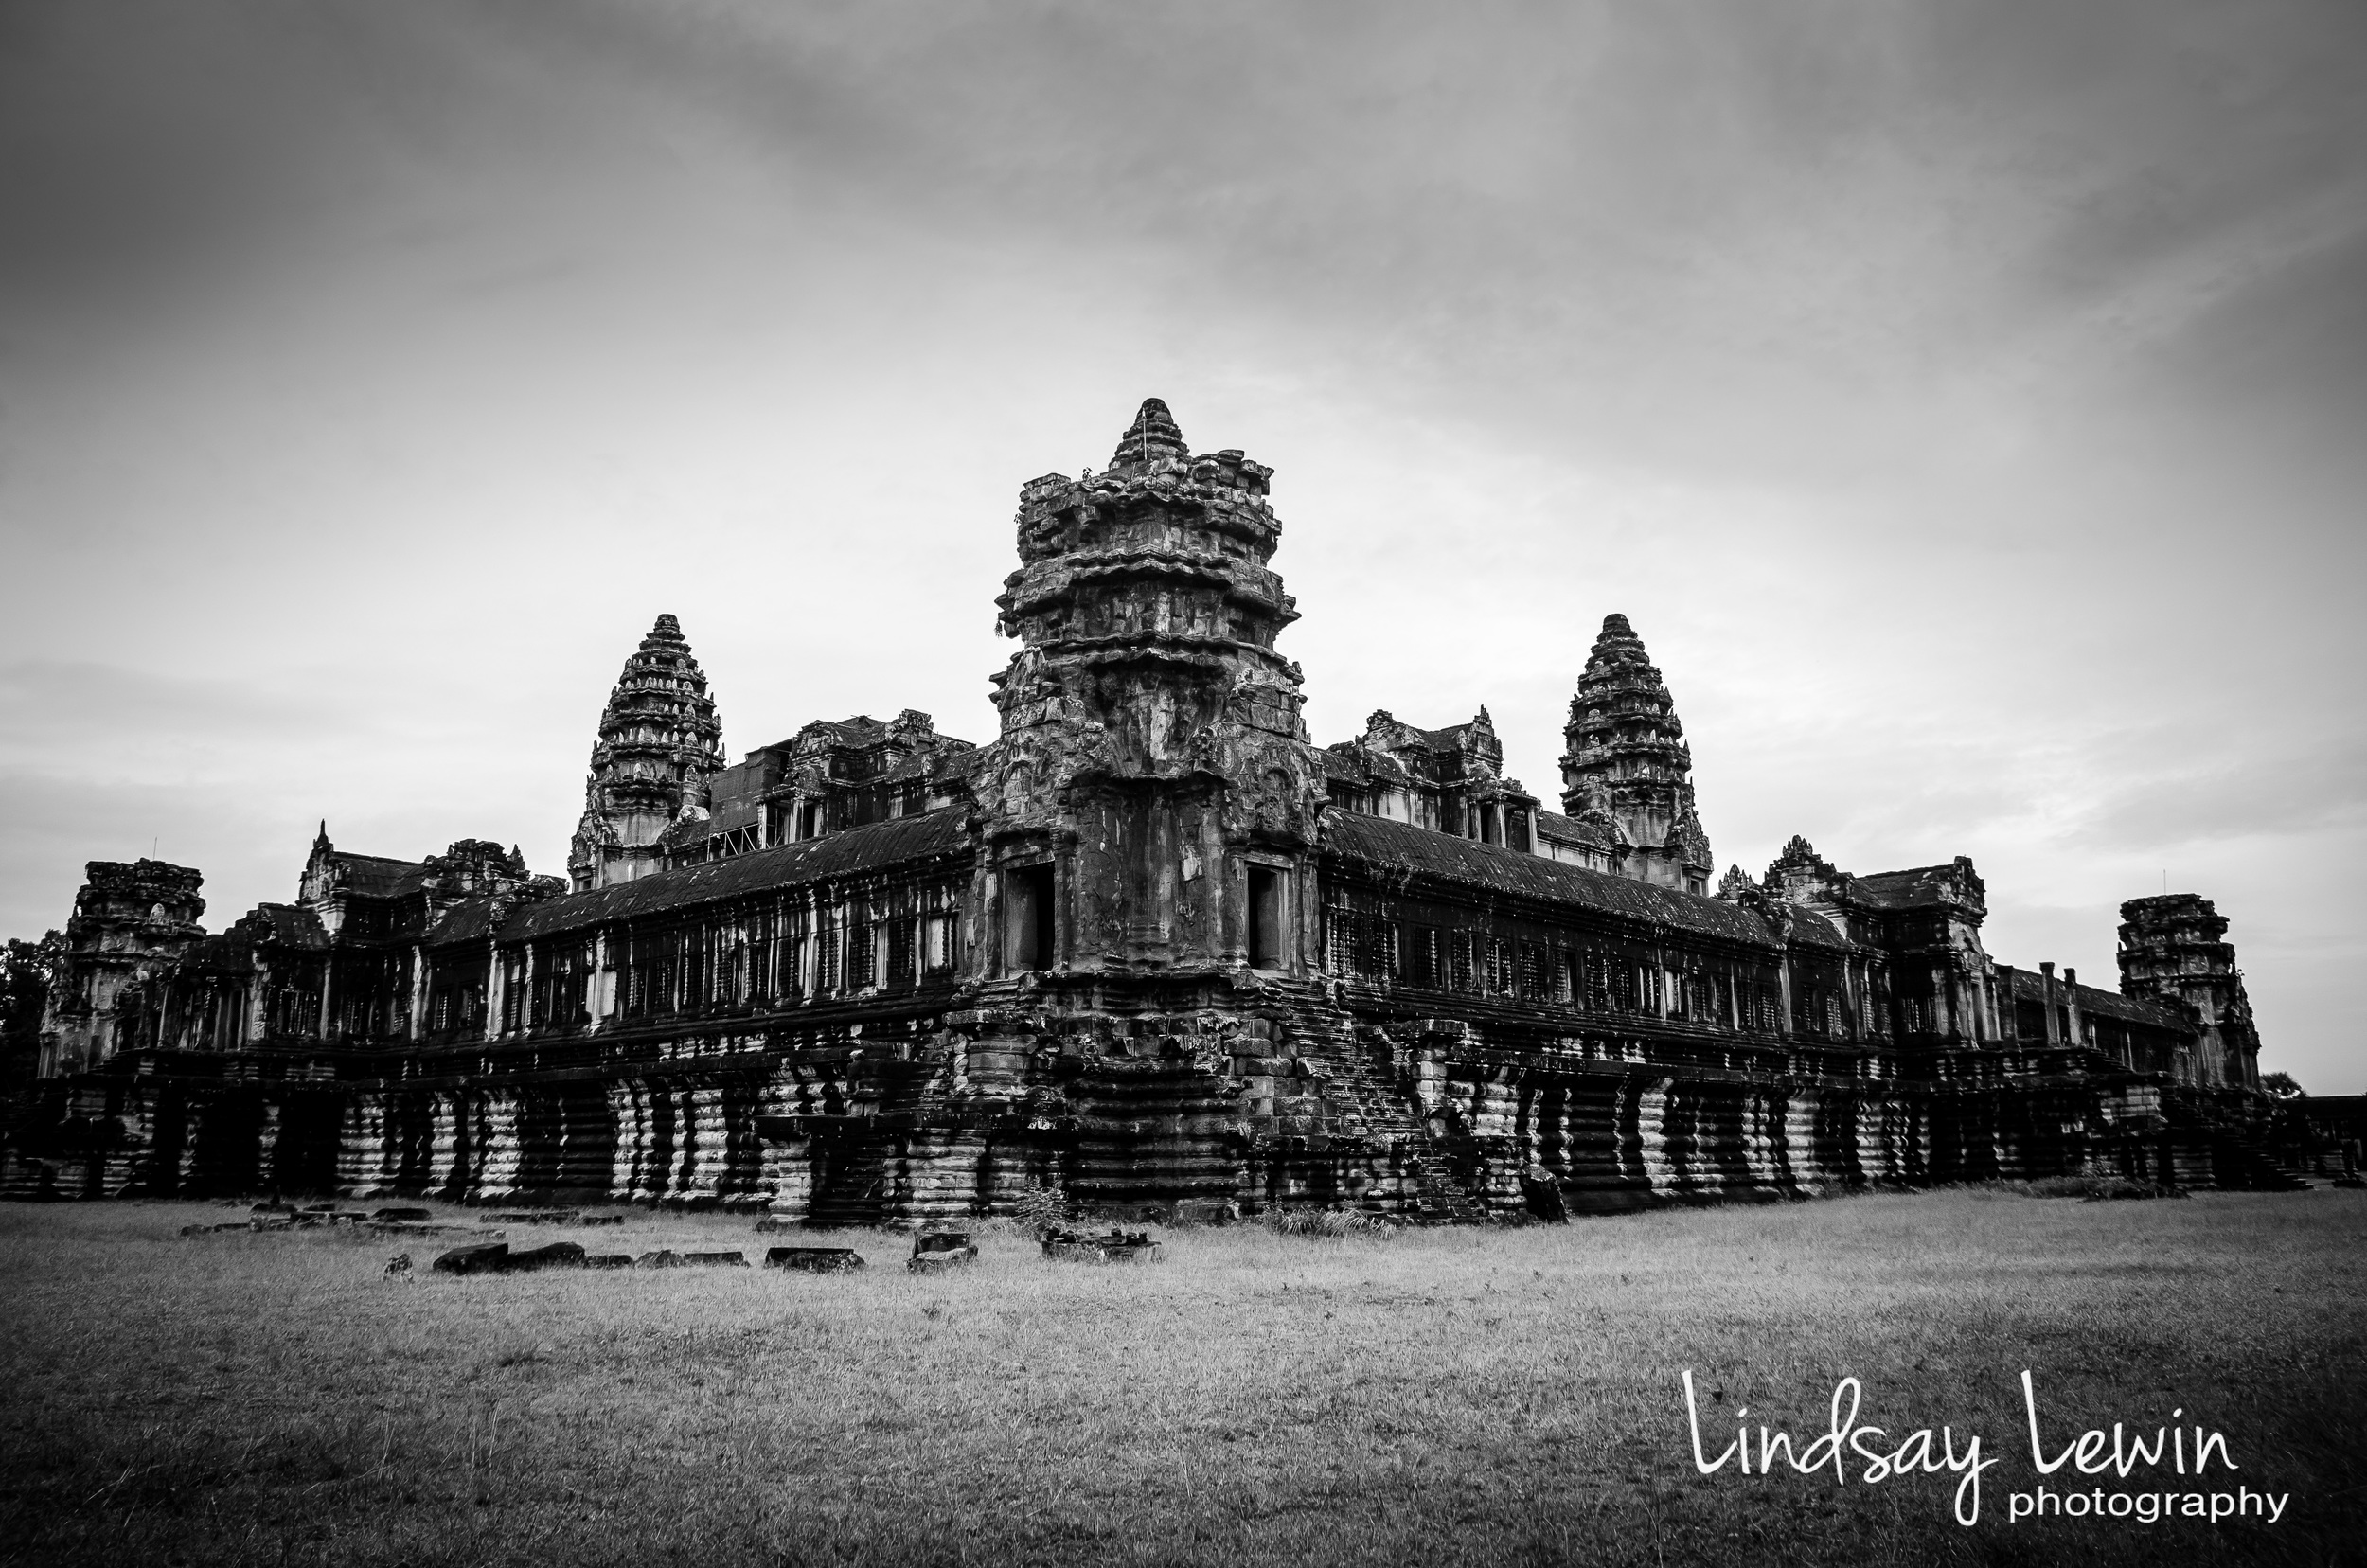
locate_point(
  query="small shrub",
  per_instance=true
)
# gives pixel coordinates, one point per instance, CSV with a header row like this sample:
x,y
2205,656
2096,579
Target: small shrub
x,y
2094,1188
1330,1223
1041,1206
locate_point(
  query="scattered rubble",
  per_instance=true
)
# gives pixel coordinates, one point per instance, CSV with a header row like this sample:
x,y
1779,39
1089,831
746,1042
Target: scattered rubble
x,y
815,1260
665,1258
547,1217
1116,1247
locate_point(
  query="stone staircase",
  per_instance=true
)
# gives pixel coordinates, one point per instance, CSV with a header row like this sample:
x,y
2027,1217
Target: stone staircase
x,y
853,1187
2208,1144
1356,1107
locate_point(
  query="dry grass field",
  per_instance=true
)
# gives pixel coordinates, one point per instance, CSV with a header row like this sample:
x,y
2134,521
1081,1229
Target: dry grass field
x,y
1443,1396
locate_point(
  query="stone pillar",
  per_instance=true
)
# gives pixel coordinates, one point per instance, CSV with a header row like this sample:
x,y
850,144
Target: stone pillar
x,y
496,988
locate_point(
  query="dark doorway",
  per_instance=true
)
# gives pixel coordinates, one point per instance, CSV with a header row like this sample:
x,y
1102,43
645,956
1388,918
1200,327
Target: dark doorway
x,y
1027,917
1266,920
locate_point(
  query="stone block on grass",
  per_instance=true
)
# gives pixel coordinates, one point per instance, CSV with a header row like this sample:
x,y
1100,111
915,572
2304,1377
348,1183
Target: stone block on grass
x,y
939,1247
485,1258
815,1260
1114,1247
938,1262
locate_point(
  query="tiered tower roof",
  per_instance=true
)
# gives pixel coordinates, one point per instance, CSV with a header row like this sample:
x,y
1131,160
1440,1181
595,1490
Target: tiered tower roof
x,y
660,744
1159,561
659,736
1152,438
2173,948
1628,764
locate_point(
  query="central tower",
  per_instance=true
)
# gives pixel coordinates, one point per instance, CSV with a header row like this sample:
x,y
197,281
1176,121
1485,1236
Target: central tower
x,y
1151,804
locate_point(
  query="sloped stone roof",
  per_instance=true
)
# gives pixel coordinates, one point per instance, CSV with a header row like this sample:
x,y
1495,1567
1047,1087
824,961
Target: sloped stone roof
x,y
1399,848
1918,887
2030,986
856,850
378,876
1563,830
271,925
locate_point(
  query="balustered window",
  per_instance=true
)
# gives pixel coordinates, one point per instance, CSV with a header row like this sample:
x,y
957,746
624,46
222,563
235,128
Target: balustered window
x,y
789,983
825,971
759,961
1421,956
1532,976
861,938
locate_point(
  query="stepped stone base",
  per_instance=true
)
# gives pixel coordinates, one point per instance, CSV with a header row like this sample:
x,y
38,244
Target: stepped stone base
x,y
1293,1099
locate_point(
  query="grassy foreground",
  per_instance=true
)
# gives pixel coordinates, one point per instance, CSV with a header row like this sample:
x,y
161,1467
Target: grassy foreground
x,y
1443,1396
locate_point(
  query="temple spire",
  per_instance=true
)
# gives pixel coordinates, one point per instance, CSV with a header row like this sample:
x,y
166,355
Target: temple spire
x,y
1628,766
660,744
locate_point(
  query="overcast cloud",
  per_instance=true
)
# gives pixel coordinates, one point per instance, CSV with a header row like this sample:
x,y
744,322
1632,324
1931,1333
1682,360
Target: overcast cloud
x,y
1964,401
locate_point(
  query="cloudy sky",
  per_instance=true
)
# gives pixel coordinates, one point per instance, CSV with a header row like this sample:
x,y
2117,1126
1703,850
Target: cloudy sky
x,y
1966,400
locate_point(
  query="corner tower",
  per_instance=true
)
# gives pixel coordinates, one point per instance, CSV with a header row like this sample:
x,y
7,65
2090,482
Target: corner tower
x,y
1627,769
132,922
659,749
1152,802
2173,949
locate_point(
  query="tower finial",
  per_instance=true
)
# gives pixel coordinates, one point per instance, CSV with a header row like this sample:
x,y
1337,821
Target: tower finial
x,y
1151,436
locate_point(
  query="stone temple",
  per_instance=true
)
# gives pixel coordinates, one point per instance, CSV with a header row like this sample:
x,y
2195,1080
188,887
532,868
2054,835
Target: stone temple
x,y
1150,941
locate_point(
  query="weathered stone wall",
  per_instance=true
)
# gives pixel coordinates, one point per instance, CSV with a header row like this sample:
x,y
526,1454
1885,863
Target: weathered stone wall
x,y
1288,1098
